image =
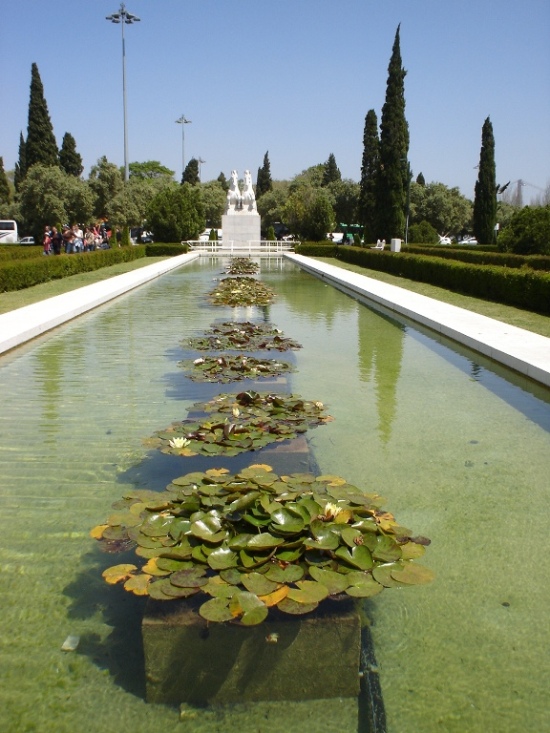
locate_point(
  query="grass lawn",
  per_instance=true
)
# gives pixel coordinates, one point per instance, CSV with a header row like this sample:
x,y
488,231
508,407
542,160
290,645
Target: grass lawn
x,y
508,314
514,316
19,298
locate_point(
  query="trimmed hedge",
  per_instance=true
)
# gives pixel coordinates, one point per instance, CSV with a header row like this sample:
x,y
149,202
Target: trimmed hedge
x,y
171,249
481,257
317,249
10,253
524,288
28,272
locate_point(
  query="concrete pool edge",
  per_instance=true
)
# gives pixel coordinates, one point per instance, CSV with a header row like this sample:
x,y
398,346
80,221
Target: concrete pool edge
x,y
523,351
23,324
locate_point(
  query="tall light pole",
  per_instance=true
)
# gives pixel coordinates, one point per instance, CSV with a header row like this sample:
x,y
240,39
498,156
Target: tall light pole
x,y
183,121
200,161
124,18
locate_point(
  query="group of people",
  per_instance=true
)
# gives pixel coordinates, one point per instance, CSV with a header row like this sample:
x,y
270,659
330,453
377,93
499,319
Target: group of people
x,y
72,239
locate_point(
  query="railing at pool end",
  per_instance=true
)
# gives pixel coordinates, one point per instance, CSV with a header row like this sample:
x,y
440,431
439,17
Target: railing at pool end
x,y
230,247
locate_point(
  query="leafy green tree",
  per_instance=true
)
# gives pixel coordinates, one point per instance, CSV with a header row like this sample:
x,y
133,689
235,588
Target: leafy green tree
x,y
176,213
21,165
213,197
528,232
69,160
263,180
312,176
191,173
344,196
394,147
331,172
367,205
150,169
271,204
423,233
41,146
50,196
446,209
485,198
106,181
308,212
224,182
5,192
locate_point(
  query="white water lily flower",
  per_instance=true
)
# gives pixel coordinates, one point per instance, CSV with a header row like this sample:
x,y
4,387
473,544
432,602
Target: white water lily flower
x,y
236,412
332,510
200,360
178,442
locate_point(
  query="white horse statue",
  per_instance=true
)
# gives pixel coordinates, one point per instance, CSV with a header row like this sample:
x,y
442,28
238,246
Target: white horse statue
x,y
234,197
249,197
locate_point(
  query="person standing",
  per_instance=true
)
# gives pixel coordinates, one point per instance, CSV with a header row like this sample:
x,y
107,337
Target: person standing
x,y
56,241
47,241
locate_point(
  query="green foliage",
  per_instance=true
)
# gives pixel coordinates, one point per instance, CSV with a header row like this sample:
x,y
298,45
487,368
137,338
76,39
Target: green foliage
x,y
331,172
420,179
370,167
344,197
5,193
213,236
165,249
271,204
48,196
176,213
423,233
69,160
263,180
40,147
150,170
21,165
317,249
270,236
213,197
394,145
308,212
106,181
444,208
528,232
239,336
26,273
191,173
252,541
485,200
125,240
524,288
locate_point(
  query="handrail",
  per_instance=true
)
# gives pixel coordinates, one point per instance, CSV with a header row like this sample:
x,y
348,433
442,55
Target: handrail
x,y
229,247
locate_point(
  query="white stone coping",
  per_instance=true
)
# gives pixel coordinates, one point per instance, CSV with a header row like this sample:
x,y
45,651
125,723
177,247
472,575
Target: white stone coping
x,y
516,348
23,324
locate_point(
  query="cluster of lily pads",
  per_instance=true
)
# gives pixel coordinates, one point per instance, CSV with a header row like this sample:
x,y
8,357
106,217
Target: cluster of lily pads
x,y
243,335
240,545
227,368
239,291
234,423
253,541
242,266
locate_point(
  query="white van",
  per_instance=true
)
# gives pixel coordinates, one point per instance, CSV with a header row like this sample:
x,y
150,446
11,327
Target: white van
x,y
8,232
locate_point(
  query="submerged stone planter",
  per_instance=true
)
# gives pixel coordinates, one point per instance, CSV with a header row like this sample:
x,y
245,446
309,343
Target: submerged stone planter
x,y
287,657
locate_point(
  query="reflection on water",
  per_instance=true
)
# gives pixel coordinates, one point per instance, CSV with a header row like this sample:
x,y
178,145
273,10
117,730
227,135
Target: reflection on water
x,y
460,450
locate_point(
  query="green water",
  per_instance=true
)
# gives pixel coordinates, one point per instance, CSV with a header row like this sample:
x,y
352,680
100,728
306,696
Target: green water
x,y
460,451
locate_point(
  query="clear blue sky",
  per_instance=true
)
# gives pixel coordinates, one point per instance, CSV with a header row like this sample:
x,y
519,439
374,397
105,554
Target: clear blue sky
x,y
295,77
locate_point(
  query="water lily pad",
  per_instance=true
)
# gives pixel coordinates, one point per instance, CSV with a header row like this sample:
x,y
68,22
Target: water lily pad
x,y
216,609
189,578
284,574
384,575
249,607
386,549
295,608
264,541
116,573
334,582
222,558
413,574
258,584
364,587
309,591
138,584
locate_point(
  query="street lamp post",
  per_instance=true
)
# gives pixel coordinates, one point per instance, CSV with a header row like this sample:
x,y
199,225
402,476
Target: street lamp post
x,y
200,161
183,121
124,18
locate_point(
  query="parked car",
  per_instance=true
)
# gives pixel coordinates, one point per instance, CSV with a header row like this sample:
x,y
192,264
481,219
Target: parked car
x,y
468,240
26,240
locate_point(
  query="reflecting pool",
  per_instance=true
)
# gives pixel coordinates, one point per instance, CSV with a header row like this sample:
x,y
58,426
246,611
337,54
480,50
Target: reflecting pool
x,y
459,447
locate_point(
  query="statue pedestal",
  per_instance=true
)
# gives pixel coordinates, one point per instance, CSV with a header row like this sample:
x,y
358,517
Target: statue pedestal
x,y
287,658
240,228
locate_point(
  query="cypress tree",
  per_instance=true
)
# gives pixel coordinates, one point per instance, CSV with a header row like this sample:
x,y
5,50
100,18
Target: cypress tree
x,y
69,160
223,180
263,180
394,147
21,166
331,171
485,199
369,177
41,146
5,193
420,179
191,173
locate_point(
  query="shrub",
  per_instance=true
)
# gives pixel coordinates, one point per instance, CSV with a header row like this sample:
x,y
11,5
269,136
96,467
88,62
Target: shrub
x,y
423,233
528,232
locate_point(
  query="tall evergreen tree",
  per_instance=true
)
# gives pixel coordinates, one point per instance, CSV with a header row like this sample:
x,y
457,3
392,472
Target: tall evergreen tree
x,y
369,178
420,179
5,193
41,146
331,171
263,180
191,173
485,199
223,180
394,147
69,160
21,166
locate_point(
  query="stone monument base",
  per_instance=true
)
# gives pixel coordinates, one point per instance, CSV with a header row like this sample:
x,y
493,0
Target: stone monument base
x,y
240,228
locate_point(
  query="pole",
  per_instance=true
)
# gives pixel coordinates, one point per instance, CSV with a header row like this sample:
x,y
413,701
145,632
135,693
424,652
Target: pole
x,y
126,165
183,121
